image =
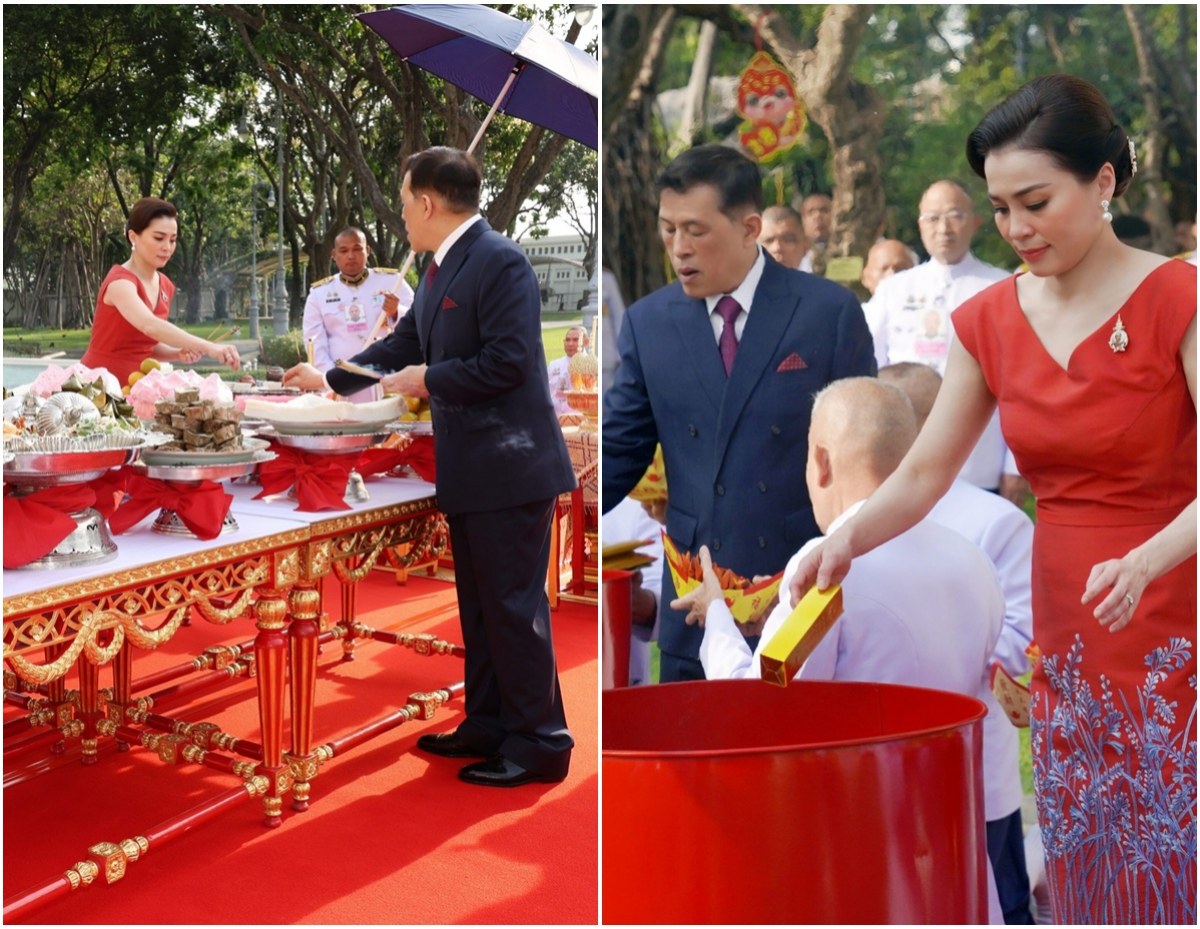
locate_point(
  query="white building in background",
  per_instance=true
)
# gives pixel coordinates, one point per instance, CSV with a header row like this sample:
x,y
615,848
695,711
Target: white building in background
x,y
558,262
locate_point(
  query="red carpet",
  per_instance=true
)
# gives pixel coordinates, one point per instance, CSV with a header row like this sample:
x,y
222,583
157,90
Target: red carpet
x,y
392,836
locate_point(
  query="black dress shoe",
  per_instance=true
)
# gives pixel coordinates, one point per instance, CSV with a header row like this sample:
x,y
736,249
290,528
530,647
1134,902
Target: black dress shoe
x,y
498,771
448,745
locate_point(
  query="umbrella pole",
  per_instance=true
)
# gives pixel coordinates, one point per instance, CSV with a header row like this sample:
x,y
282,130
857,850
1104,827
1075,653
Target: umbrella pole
x,y
512,77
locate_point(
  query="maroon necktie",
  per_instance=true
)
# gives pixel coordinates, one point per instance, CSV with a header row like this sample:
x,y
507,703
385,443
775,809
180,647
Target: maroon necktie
x,y
431,274
728,309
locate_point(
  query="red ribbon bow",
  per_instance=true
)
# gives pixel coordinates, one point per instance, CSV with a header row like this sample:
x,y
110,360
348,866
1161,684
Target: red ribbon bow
x,y
110,489
36,523
201,508
418,455
320,480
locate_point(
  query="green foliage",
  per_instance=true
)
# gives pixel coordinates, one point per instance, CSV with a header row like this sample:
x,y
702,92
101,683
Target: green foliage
x,y
283,350
939,68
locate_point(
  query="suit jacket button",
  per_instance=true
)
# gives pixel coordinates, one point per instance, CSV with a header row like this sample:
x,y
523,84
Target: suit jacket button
x,y
442,353
762,543
762,487
775,430
691,430
720,490
716,546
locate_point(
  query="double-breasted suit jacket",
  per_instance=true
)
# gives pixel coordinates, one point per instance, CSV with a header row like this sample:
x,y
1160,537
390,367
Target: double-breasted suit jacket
x,y
734,447
478,328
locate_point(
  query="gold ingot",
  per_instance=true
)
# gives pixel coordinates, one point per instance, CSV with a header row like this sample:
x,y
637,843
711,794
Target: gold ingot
x,y
800,633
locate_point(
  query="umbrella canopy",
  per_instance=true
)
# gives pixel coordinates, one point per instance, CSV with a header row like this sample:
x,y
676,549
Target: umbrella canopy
x,y
476,48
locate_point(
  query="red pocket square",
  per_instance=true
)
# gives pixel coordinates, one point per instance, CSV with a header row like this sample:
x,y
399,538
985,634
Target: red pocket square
x,y
448,304
792,362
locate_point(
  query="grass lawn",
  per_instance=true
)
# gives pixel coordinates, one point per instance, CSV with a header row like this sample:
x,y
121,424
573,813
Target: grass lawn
x,y
75,341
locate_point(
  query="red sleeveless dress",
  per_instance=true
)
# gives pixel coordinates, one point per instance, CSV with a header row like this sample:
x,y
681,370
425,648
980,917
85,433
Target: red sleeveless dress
x,y
115,344
1109,448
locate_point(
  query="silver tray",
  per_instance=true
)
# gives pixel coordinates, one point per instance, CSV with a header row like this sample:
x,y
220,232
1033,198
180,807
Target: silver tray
x,y
204,472
176,457
331,444
329,428
65,467
263,390
411,427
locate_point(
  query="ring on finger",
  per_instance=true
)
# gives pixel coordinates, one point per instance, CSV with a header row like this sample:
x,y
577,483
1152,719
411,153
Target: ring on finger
x,y
1129,600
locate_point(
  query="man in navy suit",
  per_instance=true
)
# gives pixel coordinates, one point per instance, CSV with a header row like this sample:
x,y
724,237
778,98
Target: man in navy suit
x,y
721,367
472,345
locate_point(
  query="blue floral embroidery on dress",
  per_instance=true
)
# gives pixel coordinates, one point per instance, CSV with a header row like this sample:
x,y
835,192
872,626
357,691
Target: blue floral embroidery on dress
x,y
1116,792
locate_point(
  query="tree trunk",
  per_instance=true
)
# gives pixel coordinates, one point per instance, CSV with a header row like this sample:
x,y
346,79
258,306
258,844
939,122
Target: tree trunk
x,y
635,37
1149,152
850,113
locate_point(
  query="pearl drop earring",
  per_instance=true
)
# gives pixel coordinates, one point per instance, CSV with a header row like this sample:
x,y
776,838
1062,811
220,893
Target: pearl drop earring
x,y
1106,215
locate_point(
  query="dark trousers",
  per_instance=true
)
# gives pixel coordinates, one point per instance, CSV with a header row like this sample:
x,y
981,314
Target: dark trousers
x,y
673,668
1006,852
513,702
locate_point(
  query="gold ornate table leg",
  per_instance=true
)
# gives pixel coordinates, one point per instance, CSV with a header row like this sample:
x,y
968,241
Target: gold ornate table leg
x,y
270,649
349,592
122,688
302,635
56,696
89,707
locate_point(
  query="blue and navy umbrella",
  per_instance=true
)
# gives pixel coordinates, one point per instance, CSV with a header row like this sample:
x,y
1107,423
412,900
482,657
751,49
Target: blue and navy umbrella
x,y
517,66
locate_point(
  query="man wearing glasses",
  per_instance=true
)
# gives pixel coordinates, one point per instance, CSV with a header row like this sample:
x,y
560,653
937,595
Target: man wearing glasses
x,y
914,308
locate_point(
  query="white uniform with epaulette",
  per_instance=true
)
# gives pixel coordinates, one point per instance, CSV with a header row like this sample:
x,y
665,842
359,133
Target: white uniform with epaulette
x,y
339,316
910,321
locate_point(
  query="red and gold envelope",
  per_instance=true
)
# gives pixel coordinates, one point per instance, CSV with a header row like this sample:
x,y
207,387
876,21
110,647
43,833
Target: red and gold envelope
x,y
747,601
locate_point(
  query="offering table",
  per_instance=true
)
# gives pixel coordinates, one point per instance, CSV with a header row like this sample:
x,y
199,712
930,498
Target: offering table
x,y
269,570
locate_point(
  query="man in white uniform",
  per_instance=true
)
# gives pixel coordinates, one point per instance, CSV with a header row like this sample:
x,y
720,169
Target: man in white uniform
x,y
629,521
924,609
914,307
559,370
342,311
1005,534
886,257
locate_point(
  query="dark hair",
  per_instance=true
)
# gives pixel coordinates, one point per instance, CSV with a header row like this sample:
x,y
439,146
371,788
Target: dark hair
x,y
781,212
736,178
449,172
145,211
1063,116
350,231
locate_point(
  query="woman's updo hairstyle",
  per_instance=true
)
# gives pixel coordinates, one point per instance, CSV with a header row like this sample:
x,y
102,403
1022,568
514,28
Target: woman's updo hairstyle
x,y
1063,116
145,211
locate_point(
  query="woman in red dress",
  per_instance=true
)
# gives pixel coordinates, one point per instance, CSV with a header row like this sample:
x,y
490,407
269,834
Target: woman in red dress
x,y
130,323
1091,357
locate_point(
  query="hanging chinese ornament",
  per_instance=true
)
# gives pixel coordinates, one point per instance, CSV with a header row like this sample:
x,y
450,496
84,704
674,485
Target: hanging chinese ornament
x,y
774,114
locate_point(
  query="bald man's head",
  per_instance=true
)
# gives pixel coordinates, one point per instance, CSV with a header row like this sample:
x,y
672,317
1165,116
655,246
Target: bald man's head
x,y
886,257
919,382
861,429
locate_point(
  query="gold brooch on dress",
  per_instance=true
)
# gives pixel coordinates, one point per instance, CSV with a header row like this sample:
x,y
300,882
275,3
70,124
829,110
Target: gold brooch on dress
x,y
1118,341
